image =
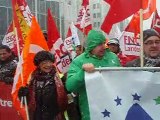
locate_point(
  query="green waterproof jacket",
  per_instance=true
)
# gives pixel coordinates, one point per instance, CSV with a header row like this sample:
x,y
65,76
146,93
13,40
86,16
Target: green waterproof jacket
x,y
75,79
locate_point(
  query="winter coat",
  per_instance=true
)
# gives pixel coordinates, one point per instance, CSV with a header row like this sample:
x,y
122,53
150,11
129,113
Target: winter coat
x,y
43,96
147,62
75,79
7,70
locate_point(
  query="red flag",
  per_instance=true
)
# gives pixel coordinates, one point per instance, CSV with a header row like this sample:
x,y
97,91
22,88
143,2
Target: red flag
x,y
149,6
83,22
25,66
56,46
156,22
134,25
119,10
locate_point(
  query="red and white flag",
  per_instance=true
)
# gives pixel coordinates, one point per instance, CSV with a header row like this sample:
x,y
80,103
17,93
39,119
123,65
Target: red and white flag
x,y
83,22
10,38
130,39
25,66
21,21
56,46
68,42
156,22
72,40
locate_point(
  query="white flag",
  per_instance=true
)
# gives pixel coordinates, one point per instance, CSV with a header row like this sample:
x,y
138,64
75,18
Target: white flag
x,y
123,95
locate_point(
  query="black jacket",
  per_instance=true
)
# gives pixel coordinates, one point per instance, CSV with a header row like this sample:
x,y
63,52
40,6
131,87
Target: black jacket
x,y
7,70
44,92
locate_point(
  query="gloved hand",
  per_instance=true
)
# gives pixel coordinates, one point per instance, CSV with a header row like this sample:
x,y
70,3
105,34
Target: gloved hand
x,y
23,92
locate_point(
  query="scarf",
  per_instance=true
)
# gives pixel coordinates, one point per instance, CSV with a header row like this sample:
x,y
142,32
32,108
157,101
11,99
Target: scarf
x,y
150,62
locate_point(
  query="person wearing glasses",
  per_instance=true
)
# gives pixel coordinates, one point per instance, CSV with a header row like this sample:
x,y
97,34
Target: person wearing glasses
x,y
151,46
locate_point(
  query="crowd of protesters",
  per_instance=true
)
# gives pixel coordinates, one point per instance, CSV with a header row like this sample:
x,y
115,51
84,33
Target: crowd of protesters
x,y
41,91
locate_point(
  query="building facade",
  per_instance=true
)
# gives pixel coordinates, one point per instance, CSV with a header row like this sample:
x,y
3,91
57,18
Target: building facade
x,y
37,7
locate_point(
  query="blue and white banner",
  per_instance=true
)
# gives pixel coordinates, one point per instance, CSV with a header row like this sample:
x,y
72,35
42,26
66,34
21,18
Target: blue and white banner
x,y
123,95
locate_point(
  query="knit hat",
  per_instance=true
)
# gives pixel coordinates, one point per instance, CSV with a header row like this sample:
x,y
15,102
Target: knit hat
x,y
149,33
94,38
113,41
42,56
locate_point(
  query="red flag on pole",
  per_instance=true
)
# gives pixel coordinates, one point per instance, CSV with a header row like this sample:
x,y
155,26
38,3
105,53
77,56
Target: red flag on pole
x,y
156,22
25,66
83,22
56,46
119,10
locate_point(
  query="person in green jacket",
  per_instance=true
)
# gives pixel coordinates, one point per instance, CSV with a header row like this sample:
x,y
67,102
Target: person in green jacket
x,y
96,55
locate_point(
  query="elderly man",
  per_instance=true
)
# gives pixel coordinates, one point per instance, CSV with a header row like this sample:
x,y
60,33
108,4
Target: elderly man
x,y
8,64
95,55
151,50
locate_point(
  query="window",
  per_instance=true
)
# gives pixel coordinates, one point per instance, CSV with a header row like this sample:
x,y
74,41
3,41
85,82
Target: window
x,y
98,24
94,15
94,6
98,15
3,20
98,5
95,24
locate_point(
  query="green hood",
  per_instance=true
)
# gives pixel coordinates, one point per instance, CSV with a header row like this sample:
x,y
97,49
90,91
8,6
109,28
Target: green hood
x,y
94,38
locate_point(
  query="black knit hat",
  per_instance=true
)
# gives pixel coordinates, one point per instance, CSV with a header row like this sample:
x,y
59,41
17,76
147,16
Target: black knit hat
x,y
149,33
42,56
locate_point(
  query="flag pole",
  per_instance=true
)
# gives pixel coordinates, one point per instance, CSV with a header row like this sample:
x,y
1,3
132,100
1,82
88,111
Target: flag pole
x,y
26,107
84,36
141,39
18,49
36,10
19,57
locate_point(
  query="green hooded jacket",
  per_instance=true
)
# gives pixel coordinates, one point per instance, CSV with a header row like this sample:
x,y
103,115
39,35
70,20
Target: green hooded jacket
x,y
75,79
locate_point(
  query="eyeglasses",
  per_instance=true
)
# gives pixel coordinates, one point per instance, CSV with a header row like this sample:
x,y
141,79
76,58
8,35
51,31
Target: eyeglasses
x,y
151,42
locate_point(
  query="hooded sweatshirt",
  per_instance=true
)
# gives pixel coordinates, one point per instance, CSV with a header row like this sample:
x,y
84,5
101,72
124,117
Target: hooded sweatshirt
x,y
75,79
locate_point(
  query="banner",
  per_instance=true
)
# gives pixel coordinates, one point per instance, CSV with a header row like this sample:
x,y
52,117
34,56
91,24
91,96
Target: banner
x,y
7,111
56,45
83,22
123,95
72,40
129,44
